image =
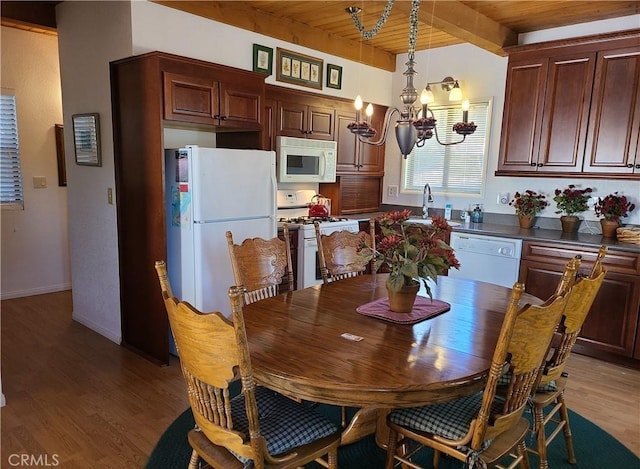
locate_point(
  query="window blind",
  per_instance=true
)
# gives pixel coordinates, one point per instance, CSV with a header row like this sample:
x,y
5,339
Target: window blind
x,y
453,169
11,195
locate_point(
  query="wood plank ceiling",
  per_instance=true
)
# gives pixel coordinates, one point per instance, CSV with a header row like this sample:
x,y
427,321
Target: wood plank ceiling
x,y
326,27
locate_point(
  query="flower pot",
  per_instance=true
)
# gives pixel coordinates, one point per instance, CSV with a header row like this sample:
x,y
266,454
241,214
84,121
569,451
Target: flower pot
x,y
609,228
569,223
525,221
402,301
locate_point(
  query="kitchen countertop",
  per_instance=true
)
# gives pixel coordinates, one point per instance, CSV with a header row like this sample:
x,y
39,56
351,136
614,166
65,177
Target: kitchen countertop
x,y
533,234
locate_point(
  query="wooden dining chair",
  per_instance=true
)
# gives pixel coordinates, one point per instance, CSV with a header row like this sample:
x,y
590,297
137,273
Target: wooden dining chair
x,y
550,392
485,428
339,253
260,265
257,425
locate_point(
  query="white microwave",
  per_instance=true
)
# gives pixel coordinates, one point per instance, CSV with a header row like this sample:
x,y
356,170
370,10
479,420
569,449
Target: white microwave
x,y
306,160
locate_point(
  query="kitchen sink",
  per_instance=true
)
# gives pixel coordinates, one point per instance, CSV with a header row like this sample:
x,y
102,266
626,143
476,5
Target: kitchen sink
x,y
427,221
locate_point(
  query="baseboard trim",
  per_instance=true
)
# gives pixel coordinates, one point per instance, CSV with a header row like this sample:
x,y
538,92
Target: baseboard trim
x,y
34,291
113,336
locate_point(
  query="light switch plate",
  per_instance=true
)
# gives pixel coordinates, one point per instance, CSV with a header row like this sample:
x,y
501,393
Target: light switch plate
x,y
39,182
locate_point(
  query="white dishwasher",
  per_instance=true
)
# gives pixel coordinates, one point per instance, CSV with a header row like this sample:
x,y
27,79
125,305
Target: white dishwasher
x,y
488,259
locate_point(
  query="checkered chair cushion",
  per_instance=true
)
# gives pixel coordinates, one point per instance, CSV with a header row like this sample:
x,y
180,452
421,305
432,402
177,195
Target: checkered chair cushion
x,y
548,387
284,423
449,420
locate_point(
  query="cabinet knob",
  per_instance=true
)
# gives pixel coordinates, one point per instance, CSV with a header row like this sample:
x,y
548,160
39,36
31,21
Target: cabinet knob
x,y
533,164
629,165
216,116
224,118
539,165
638,166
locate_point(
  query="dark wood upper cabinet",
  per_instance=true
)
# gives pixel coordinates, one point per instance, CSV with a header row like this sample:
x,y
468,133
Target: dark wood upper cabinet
x,y
297,119
612,142
353,155
210,101
573,109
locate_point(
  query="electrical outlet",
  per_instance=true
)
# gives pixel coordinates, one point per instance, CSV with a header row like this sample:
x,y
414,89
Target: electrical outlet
x,y
503,198
392,191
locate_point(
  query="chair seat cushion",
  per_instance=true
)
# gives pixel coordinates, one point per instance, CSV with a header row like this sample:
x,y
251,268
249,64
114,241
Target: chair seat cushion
x,y
284,423
449,420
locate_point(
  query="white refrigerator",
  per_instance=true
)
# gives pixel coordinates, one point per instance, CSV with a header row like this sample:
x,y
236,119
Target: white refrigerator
x,y
210,191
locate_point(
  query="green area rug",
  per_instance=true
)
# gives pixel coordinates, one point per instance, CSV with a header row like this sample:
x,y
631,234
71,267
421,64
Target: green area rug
x,y
594,448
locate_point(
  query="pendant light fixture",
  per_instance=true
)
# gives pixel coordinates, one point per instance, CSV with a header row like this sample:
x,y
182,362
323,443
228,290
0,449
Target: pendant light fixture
x,y
413,127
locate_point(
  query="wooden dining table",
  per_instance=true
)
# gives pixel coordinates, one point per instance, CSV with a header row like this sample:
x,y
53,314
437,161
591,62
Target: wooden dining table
x,y
297,347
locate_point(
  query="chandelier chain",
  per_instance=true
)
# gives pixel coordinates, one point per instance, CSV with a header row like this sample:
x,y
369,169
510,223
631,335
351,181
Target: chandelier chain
x,y
413,26
370,34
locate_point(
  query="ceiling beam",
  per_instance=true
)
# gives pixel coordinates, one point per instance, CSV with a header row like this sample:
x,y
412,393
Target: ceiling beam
x,y
241,16
465,23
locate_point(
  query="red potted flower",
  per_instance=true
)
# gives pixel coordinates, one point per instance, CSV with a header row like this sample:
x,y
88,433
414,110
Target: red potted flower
x,y
612,208
528,204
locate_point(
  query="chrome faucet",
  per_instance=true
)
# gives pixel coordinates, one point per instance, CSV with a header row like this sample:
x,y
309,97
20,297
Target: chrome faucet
x,y
426,200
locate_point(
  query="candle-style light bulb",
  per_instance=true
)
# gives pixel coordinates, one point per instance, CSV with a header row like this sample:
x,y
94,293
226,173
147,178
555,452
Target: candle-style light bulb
x,y
358,106
369,111
465,111
456,93
429,94
424,99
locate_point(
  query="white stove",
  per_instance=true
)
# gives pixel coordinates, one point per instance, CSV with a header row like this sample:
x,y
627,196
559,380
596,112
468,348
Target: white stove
x,y
293,210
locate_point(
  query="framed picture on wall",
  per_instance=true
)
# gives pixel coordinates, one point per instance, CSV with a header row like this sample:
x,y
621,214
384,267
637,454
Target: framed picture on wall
x,y
334,76
298,69
262,59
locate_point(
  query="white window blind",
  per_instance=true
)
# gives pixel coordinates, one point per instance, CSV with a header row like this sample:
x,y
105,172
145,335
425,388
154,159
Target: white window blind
x,y
10,173
453,169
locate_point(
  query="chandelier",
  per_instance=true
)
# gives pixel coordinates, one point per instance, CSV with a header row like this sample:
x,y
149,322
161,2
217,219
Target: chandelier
x,y
414,126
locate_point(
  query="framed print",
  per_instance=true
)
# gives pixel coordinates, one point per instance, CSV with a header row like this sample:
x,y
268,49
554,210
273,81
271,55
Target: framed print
x,y
86,139
62,169
262,59
334,76
298,69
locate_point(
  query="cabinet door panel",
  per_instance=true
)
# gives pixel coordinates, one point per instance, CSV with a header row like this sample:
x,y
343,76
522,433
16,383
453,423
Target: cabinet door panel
x,y
291,119
524,98
190,99
371,157
360,193
321,123
615,122
613,318
239,108
346,141
566,113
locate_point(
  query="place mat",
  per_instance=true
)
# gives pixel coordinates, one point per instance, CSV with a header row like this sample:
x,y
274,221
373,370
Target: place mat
x,y
423,308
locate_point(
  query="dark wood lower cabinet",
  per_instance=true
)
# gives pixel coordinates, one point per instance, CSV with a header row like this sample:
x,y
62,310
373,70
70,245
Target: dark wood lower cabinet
x,y
611,329
354,194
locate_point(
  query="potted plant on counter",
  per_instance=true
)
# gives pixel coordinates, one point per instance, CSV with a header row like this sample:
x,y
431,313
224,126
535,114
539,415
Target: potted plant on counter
x,y
528,204
612,208
413,253
571,201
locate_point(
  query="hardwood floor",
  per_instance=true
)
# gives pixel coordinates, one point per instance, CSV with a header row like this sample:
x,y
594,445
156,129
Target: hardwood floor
x,y
79,399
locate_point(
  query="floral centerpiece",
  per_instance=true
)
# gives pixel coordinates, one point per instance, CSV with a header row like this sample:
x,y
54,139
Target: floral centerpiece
x,y
613,207
411,251
529,203
572,200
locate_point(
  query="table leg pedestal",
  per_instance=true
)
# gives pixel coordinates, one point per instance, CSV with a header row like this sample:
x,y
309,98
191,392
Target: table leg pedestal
x,y
362,424
382,431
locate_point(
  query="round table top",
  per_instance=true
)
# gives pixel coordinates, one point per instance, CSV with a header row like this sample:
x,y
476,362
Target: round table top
x,y
297,348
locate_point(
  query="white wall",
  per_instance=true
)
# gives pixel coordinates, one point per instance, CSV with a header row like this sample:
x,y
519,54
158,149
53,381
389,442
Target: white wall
x,y
91,34
35,248
483,75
